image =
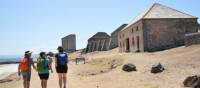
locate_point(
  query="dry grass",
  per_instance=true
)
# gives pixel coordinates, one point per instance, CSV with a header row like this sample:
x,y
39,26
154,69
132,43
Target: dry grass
x,y
179,63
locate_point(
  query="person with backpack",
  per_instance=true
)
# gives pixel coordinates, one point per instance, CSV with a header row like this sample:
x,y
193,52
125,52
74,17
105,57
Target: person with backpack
x,y
61,60
24,68
43,67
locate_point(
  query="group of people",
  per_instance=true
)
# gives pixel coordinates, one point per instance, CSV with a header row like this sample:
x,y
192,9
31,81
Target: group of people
x,y
44,66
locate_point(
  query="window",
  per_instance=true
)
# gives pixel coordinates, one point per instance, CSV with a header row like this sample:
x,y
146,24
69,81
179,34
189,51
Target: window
x,y
137,28
123,44
133,41
132,30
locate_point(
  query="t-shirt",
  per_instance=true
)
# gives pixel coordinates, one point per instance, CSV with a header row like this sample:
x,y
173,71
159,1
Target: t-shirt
x,y
46,66
30,62
61,58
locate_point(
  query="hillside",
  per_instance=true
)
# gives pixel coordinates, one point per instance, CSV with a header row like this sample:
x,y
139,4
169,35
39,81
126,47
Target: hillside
x,y
103,69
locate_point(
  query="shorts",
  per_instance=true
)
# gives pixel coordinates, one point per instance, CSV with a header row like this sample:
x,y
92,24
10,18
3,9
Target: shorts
x,y
44,76
26,75
61,69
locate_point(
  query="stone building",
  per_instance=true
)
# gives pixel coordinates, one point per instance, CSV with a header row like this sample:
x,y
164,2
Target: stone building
x,y
114,37
69,43
99,42
158,28
199,27
192,38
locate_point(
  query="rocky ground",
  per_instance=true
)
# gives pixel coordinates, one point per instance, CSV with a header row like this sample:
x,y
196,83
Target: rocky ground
x,y
104,69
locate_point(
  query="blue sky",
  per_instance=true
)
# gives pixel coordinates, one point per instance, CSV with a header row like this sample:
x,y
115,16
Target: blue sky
x,y
39,25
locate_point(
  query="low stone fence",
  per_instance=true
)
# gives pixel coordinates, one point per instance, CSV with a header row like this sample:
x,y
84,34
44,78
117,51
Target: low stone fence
x,y
192,38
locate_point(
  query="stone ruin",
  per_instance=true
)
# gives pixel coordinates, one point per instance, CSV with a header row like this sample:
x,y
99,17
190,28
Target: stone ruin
x,y
69,43
158,28
114,37
98,42
192,38
101,41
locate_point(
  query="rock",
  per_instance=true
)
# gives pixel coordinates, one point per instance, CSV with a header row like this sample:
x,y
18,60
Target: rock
x,y
157,68
113,66
192,81
129,67
102,71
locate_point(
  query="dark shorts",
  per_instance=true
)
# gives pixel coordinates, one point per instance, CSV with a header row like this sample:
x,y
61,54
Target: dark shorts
x,y
26,75
61,69
44,76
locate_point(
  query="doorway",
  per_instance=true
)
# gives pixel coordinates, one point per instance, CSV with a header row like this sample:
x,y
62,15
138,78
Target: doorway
x,y
138,44
127,45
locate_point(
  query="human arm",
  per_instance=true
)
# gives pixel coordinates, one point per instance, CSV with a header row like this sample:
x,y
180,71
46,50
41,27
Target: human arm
x,y
19,71
50,64
67,60
50,67
56,60
34,67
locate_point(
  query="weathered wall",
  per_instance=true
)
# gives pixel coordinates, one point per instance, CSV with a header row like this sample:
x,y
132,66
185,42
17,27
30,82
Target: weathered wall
x,y
199,28
114,37
99,42
69,43
131,33
163,34
98,45
192,38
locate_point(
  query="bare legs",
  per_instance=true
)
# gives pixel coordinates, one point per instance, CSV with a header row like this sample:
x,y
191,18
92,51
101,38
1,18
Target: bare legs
x,y
44,83
62,80
26,84
65,80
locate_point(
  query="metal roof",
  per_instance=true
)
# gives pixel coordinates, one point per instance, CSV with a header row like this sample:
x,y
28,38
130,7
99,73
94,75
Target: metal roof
x,y
100,35
158,11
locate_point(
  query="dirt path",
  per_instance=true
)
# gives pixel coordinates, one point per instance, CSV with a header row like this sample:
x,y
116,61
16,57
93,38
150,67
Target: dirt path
x,y
73,80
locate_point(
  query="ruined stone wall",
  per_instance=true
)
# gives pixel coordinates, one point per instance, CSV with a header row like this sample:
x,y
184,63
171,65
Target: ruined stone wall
x,y
69,43
131,33
114,37
163,34
98,44
192,38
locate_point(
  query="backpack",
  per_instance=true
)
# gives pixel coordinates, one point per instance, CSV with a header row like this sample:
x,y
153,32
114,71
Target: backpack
x,y
41,64
23,65
61,58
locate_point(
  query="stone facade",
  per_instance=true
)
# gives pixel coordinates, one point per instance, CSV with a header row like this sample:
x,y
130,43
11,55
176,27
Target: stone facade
x,y
158,28
192,38
69,43
199,28
114,36
99,42
161,34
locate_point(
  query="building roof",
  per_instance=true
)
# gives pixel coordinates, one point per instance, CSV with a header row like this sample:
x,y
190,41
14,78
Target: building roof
x,y
99,35
69,36
158,11
119,28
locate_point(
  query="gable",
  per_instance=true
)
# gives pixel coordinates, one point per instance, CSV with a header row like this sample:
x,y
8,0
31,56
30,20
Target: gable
x,y
158,11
